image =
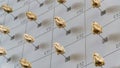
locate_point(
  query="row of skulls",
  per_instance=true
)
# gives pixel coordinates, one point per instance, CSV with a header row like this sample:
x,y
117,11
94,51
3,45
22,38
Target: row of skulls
x,y
98,60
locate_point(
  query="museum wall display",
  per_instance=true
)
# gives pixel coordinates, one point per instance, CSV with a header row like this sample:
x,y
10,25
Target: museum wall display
x,y
59,33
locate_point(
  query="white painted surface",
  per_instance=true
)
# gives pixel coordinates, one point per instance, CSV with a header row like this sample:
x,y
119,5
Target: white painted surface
x,y
74,47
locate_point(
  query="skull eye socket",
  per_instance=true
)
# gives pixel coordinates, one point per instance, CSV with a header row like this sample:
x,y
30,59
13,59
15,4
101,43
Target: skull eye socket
x,y
98,63
59,51
32,18
96,31
25,66
60,24
29,40
5,31
1,53
95,4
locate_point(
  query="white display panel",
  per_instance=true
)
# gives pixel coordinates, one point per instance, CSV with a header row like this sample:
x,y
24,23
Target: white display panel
x,y
80,44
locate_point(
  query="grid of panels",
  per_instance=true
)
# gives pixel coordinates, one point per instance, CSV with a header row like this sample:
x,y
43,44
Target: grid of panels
x,y
79,44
